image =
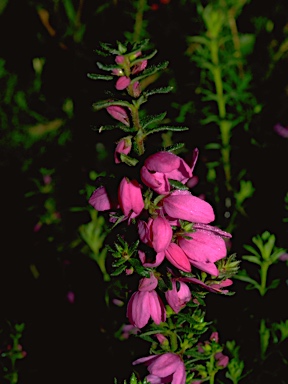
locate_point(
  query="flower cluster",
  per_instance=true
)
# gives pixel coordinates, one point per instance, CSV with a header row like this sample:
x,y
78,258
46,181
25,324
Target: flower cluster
x,y
177,250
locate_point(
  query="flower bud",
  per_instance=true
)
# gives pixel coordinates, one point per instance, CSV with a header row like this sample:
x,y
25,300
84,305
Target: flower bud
x,y
119,114
122,83
123,146
130,197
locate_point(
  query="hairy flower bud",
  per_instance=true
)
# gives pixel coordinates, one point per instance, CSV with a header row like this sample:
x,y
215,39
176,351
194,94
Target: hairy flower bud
x,y
119,114
130,197
123,146
122,83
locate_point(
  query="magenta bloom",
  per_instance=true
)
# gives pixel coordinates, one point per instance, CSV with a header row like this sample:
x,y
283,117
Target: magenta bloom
x,y
122,83
203,249
119,114
222,360
157,233
160,256
160,167
177,299
139,67
183,205
165,368
123,146
130,197
100,199
146,303
177,257
119,59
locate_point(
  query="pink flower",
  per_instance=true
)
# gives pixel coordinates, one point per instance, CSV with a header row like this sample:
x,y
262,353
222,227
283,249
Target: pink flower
x,y
183,205
203,249
119,114
123,146
130,197
146,303
281,130
160,256
122,83
100,200
161,167
177,257
136,89
165,368
119,59
177,298
157,233
222,360
139,67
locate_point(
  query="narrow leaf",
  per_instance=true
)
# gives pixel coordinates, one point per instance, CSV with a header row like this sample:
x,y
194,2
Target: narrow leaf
x,y
95,76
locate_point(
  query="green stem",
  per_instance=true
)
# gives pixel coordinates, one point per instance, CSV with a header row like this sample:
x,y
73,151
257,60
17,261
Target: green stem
x,y
139,20
225,125
263,275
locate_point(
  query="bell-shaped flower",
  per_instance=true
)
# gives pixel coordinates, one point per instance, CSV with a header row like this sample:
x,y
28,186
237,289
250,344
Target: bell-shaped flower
x,y
119,113
178,296
100,200
165,368
130,197
203,250
159,257
177,257
122,83
139,67
183,205
123,146
162,166
157,233
146,303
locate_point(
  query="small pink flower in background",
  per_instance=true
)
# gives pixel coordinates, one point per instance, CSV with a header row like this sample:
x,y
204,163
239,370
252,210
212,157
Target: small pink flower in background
x,y
183,205
222,360
100,199
161,338
122,83
119,113
165,368
47,179
118,302
157,233
146,303
214,337
70,297
128,330
203,250
37,226
283,257
178,298
123,146
281,130
130,197
177,257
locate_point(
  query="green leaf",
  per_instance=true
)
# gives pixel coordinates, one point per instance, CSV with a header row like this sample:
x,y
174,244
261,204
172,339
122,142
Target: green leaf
x,y
158,90
128,160
174,147
106,67
252,259
178,185
166,128
118,271
106,103
151,70
152,119
96,76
